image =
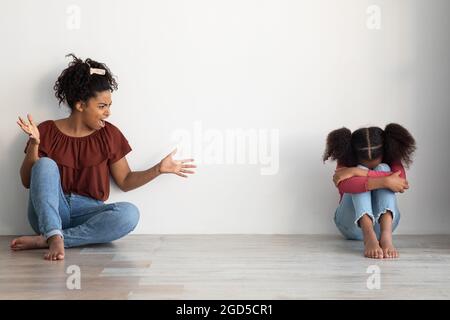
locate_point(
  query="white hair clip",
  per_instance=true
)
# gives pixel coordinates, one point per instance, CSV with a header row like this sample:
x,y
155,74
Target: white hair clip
x,y
97,71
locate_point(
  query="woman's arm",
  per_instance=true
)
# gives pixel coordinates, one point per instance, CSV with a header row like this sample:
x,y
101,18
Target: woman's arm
x,y
30,158
32,154
128,180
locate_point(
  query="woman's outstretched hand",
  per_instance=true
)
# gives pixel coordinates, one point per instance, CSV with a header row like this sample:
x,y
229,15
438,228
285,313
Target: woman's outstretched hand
x,y
178,167
30,128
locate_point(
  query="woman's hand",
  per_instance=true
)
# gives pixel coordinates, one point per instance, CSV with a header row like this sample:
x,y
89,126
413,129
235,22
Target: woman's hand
x,y
31,129
178,167
396,183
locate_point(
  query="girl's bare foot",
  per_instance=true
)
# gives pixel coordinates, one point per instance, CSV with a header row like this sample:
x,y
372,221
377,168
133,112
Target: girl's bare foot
x,y
28,242
56,245
389,251
372,248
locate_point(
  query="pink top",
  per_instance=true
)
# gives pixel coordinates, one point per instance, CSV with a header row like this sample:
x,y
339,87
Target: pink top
x,y
359,184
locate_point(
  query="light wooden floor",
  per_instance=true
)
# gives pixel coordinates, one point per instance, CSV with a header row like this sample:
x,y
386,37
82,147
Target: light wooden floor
x,y
230,267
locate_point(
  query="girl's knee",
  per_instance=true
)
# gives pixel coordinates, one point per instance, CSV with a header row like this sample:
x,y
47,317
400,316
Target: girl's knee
x,y
384,167
362,199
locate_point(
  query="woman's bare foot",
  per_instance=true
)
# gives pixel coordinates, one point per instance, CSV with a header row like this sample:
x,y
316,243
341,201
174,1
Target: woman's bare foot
x,y
389,251
28,242
56,245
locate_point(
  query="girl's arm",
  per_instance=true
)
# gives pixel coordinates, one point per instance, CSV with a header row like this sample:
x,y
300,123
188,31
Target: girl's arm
x,y
397,166
343,172
362,184
358,180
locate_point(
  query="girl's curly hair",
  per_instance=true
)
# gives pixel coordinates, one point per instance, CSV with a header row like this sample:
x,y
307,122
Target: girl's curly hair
x,y
392,143
77,84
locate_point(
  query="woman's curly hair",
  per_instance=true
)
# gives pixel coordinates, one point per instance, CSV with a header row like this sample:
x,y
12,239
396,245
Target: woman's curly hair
x,y
77,84
348,149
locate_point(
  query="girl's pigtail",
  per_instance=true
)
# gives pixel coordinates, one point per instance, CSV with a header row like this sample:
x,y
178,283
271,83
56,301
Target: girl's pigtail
x,y
399,144
339,147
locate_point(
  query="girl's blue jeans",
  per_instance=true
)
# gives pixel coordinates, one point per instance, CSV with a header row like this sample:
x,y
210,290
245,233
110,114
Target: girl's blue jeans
x,y
374,203
78,219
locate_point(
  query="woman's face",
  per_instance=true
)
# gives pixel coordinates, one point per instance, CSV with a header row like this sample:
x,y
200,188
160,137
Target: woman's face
x,y
96,110
371,163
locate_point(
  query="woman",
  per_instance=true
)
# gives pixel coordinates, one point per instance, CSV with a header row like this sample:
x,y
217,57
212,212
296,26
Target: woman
x,y
69,161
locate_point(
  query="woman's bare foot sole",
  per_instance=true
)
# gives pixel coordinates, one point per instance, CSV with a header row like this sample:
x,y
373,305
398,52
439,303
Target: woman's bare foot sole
x,y
28,242
389,251
56,245
372,249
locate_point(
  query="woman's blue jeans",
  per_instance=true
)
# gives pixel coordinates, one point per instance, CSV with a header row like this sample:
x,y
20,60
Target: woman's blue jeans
x,y
374,203
78,219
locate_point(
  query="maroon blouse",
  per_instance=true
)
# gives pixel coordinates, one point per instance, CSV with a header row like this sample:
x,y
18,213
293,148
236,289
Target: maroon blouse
x,y
83,162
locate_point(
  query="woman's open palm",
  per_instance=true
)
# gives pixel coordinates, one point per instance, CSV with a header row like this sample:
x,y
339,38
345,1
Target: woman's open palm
x,y
178,167
30,128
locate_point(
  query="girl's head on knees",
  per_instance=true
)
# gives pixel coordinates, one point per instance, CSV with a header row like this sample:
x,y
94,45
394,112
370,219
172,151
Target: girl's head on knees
x,y
370,146
86,87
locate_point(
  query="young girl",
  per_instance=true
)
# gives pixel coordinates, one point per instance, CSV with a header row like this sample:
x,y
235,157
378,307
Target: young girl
x,y
68,163
369,173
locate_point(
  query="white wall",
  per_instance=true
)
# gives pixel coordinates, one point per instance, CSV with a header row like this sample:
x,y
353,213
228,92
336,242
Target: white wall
x,y
301,68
